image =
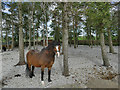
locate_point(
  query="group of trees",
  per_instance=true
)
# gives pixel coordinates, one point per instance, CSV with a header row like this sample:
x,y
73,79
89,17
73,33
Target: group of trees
x,y
28,21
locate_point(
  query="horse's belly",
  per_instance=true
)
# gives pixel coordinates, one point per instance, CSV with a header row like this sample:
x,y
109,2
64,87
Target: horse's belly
x,y
36,64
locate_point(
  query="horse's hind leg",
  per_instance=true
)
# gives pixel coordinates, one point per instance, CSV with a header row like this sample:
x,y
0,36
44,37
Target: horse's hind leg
x,y
49,73
33,70
30,72
27,70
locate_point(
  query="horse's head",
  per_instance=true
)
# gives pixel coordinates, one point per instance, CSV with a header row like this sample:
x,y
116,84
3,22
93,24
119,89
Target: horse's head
x,y
57,50
56,47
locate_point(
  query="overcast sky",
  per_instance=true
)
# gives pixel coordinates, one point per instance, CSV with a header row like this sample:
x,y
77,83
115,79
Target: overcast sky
x,y
49,29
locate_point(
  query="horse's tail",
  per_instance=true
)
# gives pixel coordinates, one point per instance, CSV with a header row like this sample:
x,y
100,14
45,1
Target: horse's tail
x,y
27,68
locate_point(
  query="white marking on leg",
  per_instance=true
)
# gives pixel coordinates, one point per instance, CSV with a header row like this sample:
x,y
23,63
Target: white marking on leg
x,y
43,83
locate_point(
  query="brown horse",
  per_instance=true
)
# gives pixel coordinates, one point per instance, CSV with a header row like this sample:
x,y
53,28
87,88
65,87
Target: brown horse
x,y
44,59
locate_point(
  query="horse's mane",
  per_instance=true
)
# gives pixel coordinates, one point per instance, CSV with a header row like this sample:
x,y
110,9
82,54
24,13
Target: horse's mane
x,y
54,43
51,45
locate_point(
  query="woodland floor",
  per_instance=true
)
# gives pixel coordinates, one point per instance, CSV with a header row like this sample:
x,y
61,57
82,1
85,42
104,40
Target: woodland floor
x,y
85,67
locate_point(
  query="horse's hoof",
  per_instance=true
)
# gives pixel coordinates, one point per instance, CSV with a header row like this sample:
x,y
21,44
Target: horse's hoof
x,y
33,75
49,80
30,76
43,83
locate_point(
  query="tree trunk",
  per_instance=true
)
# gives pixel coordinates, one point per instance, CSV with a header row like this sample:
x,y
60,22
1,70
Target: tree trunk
x,y
58,30
1,39
33,25
76,37
88,36
74,34
111,50
37,39
46,30
21,40
63,30
29,23
1,29
65,58
7,40
26,31
91,44
103,50
44,37
62,42
97,37
69,35
12,35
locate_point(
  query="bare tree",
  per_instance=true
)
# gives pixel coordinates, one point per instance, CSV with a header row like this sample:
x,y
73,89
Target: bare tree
x,y
65,43
12,34
46,24
33,25
21,40
1,40
29,23
1,27
103,50
43,6
111,49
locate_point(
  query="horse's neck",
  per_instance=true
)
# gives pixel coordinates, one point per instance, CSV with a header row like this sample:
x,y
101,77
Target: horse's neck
x,y
51,51
50,48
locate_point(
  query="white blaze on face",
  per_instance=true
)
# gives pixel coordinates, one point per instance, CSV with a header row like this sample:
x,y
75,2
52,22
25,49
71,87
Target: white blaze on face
x,y
58,53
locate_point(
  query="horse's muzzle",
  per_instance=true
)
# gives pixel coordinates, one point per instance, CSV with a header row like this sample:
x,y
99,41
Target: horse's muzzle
x,y
58,54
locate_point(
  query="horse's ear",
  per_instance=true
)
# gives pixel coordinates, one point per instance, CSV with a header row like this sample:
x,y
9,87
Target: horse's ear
x,y
58,42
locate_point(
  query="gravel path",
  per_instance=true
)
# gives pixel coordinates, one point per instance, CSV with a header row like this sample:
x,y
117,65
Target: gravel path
x,y
84,66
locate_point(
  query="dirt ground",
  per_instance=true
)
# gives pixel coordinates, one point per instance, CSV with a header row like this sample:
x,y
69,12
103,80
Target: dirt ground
x,y
85,68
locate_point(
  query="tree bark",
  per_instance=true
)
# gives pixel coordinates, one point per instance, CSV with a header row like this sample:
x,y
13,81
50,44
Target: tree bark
x,y
97,37
37,39
29,23
103,50
21,40
65,59
46,29
74,34
26,31
33,25
1,28
76,37
1,40
69,36
12,35
43,37
62,29
44,42
91,44
111,50
7,40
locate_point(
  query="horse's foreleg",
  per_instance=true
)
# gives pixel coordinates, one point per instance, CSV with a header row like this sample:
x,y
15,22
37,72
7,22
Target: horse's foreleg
x,y
33,70
42,75
49,73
